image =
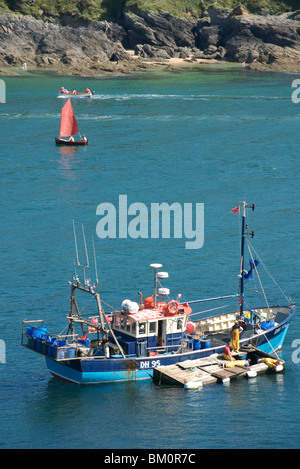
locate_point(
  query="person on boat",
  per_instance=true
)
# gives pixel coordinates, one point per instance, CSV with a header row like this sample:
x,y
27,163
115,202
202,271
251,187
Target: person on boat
x,y
71,139
88,91
83,138
227,353
74,91
63,90
271,362
241,321
245,363
235,336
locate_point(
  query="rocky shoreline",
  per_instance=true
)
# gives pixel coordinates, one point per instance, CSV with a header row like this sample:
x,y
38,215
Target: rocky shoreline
x,y
259,41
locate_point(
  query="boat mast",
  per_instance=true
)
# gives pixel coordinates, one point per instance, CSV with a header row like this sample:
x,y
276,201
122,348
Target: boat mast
x,y
241,297
243,236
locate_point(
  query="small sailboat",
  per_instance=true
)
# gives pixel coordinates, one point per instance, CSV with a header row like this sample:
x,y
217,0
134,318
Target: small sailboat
x,y
129,343
69,127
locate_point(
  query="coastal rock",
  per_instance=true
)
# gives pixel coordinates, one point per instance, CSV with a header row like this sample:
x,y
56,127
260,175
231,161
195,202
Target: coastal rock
x,y
208,35
267,39
294,16
218,15
222,33
147,51
251,38
25,39
160,31
239,11
233,35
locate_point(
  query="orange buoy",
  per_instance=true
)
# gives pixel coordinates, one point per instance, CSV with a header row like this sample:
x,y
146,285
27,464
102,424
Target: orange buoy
x,y
148,302
190,327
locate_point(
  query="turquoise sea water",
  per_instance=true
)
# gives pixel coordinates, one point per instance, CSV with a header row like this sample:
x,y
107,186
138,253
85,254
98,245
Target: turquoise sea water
x,y
214,135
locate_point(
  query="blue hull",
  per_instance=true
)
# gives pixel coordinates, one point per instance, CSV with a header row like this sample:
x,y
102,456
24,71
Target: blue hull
x,y
98,370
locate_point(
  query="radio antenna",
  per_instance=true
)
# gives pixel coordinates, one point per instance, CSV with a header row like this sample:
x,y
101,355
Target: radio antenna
x,y
86,253
75,239
96,270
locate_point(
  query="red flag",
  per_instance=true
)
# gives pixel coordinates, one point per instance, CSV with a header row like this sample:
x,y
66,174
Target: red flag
x,y
235,210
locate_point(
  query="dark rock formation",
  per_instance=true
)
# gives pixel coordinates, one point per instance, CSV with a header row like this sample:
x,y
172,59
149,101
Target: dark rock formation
x,y
232,35
235,35
25,39
160,31
263,39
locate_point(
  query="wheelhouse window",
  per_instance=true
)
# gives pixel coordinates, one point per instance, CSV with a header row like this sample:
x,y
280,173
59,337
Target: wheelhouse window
x,y
153,327
122,323
142,328
179,324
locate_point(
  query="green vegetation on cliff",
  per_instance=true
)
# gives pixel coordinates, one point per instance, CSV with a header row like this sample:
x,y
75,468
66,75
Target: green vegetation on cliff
x,y
197,7
93,10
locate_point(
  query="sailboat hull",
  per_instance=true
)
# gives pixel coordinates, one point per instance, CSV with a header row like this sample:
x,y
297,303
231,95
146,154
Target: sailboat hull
x,y
96,370
61,141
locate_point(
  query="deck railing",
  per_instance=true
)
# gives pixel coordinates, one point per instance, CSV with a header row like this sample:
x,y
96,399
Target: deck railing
x,y
37,338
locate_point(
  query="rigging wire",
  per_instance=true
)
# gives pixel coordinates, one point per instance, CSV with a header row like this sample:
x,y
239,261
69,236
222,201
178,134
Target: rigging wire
x,y
267,271
255,267
85,306
212,309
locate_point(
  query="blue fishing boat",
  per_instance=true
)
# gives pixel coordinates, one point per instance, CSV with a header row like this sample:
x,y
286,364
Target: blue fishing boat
x,y
129,343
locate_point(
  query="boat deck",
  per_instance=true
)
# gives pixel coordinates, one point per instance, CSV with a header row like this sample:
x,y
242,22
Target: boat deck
x,y
196,373
218,338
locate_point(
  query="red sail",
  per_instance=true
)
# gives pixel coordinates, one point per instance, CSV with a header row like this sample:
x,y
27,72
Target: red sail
x,y
68,123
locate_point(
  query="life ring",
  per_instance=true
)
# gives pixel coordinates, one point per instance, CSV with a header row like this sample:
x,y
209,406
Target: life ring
x,y
172,307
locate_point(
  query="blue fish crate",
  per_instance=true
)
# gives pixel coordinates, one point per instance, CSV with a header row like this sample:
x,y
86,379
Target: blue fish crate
x,y
265,325
30,331
205,343
40,332
70,352
40,344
